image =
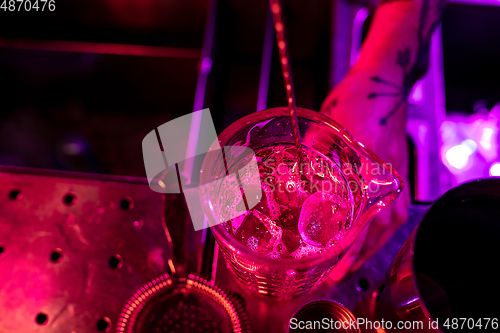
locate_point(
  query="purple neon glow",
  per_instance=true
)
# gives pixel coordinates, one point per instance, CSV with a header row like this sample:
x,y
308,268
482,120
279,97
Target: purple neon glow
x,y
417,93
419,132
357,33
265,68
206,65
487,139
458,156
486,136
201,86
470,144
495,169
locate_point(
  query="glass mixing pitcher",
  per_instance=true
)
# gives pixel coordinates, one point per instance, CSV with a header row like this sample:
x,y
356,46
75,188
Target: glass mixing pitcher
x,y
284,217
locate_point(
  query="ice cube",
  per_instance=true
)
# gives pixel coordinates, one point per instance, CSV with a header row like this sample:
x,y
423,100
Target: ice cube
x,y
284,199
287,190
259,232
278,250
269,203
305,250
263,154
322,217
233,225
320,175
291,240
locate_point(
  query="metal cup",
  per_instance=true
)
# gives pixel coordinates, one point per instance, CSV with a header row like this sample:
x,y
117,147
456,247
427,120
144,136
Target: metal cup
x,y
323,316
445,275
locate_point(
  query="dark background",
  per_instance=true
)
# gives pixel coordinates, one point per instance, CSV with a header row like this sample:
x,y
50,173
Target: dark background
x,y
89,112
471,49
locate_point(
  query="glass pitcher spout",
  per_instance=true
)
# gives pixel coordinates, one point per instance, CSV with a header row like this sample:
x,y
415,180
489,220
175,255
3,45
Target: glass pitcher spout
x,y
374,183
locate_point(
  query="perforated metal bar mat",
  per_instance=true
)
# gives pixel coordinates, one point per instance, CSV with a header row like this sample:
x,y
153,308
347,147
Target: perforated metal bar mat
x,y
74,248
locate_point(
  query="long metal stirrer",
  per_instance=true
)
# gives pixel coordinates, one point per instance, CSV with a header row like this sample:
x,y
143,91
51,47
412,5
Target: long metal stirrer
x,y
286,70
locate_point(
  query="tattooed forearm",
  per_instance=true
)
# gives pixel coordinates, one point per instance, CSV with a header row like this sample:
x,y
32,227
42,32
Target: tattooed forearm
x,y
430,15
400,92
394,94
383,120
331,104
379,80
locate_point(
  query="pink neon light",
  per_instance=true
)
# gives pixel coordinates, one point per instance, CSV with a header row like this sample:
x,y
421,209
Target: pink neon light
x,y
458,156
486,136
417,93
495,169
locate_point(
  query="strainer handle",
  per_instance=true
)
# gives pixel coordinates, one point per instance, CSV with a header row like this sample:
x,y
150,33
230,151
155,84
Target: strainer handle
x,y
176,220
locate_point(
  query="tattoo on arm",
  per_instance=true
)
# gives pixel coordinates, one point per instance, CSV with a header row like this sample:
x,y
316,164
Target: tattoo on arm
x,y
332,104
411,74
400,91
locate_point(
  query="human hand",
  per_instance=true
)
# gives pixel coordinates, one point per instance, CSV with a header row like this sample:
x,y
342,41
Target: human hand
x,y
370,102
